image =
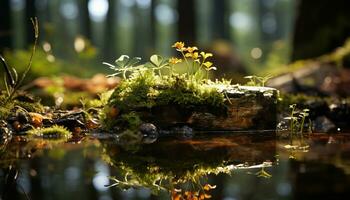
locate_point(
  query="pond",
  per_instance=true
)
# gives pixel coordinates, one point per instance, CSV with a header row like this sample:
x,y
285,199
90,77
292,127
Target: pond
x,y
226,166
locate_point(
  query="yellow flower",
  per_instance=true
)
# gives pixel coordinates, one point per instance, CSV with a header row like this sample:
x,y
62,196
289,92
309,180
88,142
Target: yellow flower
x,y
208,66
191,49
193,55
179,46
206,55
174,60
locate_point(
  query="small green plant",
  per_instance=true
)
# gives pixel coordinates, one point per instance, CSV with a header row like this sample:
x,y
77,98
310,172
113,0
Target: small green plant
x,y
195,63
124,65
257,80
297,124
11,80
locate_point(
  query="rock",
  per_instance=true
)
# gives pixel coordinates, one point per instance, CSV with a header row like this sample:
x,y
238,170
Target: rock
x,y
149,133
23,117
340,114
71,123
246,108
323,125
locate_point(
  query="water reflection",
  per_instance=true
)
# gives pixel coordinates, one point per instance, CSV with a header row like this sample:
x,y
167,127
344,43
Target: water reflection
x,y
221,167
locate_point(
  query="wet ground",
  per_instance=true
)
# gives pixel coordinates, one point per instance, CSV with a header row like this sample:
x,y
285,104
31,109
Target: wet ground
x,y
226,166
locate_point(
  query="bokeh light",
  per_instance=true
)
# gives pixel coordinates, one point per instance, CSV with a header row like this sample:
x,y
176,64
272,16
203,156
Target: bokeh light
x,y
98,10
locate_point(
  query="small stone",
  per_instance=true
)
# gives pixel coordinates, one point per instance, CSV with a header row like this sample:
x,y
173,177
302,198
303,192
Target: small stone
x,y
323,125
71,123
149,133
23,117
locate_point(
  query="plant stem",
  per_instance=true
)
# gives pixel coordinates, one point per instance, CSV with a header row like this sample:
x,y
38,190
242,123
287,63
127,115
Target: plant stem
x,y
302,128
188,65
36,36
292,125
10,78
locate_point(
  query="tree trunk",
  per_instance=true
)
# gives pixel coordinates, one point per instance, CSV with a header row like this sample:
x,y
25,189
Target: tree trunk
x,y
5,25
186,23
30,13
321,26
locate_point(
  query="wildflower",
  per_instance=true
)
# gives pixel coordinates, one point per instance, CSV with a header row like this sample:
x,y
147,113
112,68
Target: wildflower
x,y
193,55
191,49
208,66
174,60
179,46
206,55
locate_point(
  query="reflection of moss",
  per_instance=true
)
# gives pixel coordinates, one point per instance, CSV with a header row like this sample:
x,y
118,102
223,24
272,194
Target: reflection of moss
x,y
54,132
167,164
160,173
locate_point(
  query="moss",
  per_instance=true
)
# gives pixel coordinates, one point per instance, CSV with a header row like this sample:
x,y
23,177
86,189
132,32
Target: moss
x,y
7,107
147,90
53,132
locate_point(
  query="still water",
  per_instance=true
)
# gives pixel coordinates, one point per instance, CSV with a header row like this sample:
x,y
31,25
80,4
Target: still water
x,y
217,166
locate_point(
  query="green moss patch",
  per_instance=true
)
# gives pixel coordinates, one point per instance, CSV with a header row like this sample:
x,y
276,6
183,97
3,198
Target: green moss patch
x,y
53,132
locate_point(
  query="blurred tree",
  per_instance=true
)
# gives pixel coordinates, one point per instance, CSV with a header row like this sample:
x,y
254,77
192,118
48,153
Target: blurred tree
x,y
30,13
186,23
5,25
221,22
84,18
320,27
109,44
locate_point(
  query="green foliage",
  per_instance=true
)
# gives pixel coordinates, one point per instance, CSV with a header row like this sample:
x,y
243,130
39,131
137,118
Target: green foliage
x,y
98,103
132,119
123,65
9,99
41,66
7,107
53,132
257,80
297,123
144,86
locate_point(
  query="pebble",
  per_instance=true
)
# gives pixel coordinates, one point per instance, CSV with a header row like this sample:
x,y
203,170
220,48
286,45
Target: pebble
x,y
149,133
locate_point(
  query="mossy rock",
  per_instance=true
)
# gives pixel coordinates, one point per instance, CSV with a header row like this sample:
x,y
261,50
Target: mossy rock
x,y
247,108
219,107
